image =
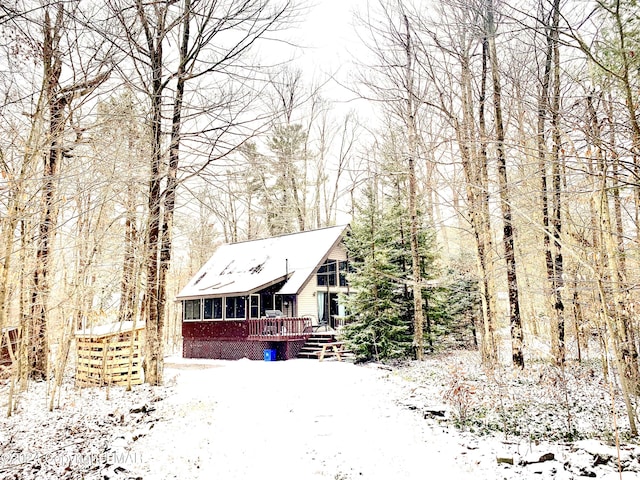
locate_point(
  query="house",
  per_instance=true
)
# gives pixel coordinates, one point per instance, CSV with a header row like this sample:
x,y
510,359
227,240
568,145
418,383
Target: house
x,y
267,294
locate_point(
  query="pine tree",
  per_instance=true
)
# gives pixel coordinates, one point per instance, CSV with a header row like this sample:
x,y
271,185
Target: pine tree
x,y
377,306
455,308
381,301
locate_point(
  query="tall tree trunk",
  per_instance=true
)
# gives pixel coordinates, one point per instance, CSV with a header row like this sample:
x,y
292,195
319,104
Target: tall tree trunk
x,y
558,266
629,88
418,311
128,288
626,355
505,201
624,348
58,98
477,197
543,108
46,230
172,179
481,185
153,303
16,207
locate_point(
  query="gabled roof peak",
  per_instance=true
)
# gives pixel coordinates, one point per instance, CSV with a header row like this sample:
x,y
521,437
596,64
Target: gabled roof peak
x,y
282,235
243,268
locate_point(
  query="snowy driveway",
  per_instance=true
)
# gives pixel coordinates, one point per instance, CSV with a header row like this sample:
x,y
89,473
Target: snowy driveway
x,y
299,419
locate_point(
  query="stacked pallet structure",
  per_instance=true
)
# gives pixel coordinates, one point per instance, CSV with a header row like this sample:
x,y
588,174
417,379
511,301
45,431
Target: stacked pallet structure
x,y
110,354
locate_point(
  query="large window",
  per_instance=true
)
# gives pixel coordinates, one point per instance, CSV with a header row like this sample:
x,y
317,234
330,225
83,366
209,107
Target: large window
x,y
191,310
235,307
327,274
213,309
343,268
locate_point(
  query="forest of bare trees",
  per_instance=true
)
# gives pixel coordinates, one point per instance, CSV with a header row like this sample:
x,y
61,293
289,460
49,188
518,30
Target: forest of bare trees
x,y
136,136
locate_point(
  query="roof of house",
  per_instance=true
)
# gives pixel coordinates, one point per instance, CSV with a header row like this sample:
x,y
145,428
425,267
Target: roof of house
x,y
247,267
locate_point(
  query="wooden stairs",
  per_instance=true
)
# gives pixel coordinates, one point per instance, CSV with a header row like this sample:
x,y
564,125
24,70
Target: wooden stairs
x,y
314,344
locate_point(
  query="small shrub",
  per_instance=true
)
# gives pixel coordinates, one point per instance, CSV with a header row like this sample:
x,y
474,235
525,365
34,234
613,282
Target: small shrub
x,y
460,394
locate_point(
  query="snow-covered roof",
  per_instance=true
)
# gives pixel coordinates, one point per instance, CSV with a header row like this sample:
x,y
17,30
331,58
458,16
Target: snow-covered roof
x,y
109,329
246,267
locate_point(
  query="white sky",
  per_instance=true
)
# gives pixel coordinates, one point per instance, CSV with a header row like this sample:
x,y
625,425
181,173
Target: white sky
x,y
327,38
328,31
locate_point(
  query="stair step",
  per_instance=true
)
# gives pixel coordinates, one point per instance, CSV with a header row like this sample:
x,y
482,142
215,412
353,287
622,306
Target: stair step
x,y
315,343
308,355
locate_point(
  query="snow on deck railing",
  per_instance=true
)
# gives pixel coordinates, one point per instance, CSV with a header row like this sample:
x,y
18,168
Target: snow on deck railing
x,y
280,327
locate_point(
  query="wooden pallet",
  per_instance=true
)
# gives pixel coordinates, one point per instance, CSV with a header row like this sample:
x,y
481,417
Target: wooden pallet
x,y
111,358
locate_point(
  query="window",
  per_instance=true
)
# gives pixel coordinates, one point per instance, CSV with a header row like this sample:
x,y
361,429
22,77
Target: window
x,y
267,301
331,272
254,307
191,310
213,309
235,307
277,302
322,276
327,273
343,268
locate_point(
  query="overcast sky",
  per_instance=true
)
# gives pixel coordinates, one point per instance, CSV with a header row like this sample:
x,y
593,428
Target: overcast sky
x,y
327,39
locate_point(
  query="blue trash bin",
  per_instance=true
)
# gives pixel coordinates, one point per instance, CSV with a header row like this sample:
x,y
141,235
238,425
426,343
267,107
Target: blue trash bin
x,y
270,355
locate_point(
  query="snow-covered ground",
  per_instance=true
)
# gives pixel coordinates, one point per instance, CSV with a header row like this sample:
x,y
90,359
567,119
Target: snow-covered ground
x,y
300,419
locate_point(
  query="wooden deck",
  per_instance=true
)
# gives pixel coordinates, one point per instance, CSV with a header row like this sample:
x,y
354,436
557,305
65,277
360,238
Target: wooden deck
x,y
235,339
279,329
256,329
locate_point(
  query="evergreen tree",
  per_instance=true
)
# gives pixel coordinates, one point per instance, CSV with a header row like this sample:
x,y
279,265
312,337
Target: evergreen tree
x,y
454,309
381,301
377,306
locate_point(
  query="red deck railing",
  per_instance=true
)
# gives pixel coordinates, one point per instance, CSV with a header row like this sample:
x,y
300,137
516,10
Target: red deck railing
x,y
279,328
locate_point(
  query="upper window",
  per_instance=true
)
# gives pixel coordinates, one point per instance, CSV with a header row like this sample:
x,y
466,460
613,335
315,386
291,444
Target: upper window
x,y
344,268
213,309
327,273
191,310
235,307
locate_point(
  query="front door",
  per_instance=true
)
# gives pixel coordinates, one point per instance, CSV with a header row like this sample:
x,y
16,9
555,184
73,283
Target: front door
x,y
333,309
328,308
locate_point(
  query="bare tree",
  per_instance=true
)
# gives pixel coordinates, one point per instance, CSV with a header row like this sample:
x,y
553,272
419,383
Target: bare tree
x,y
448,49
165,76
505,201
60,97
547,102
